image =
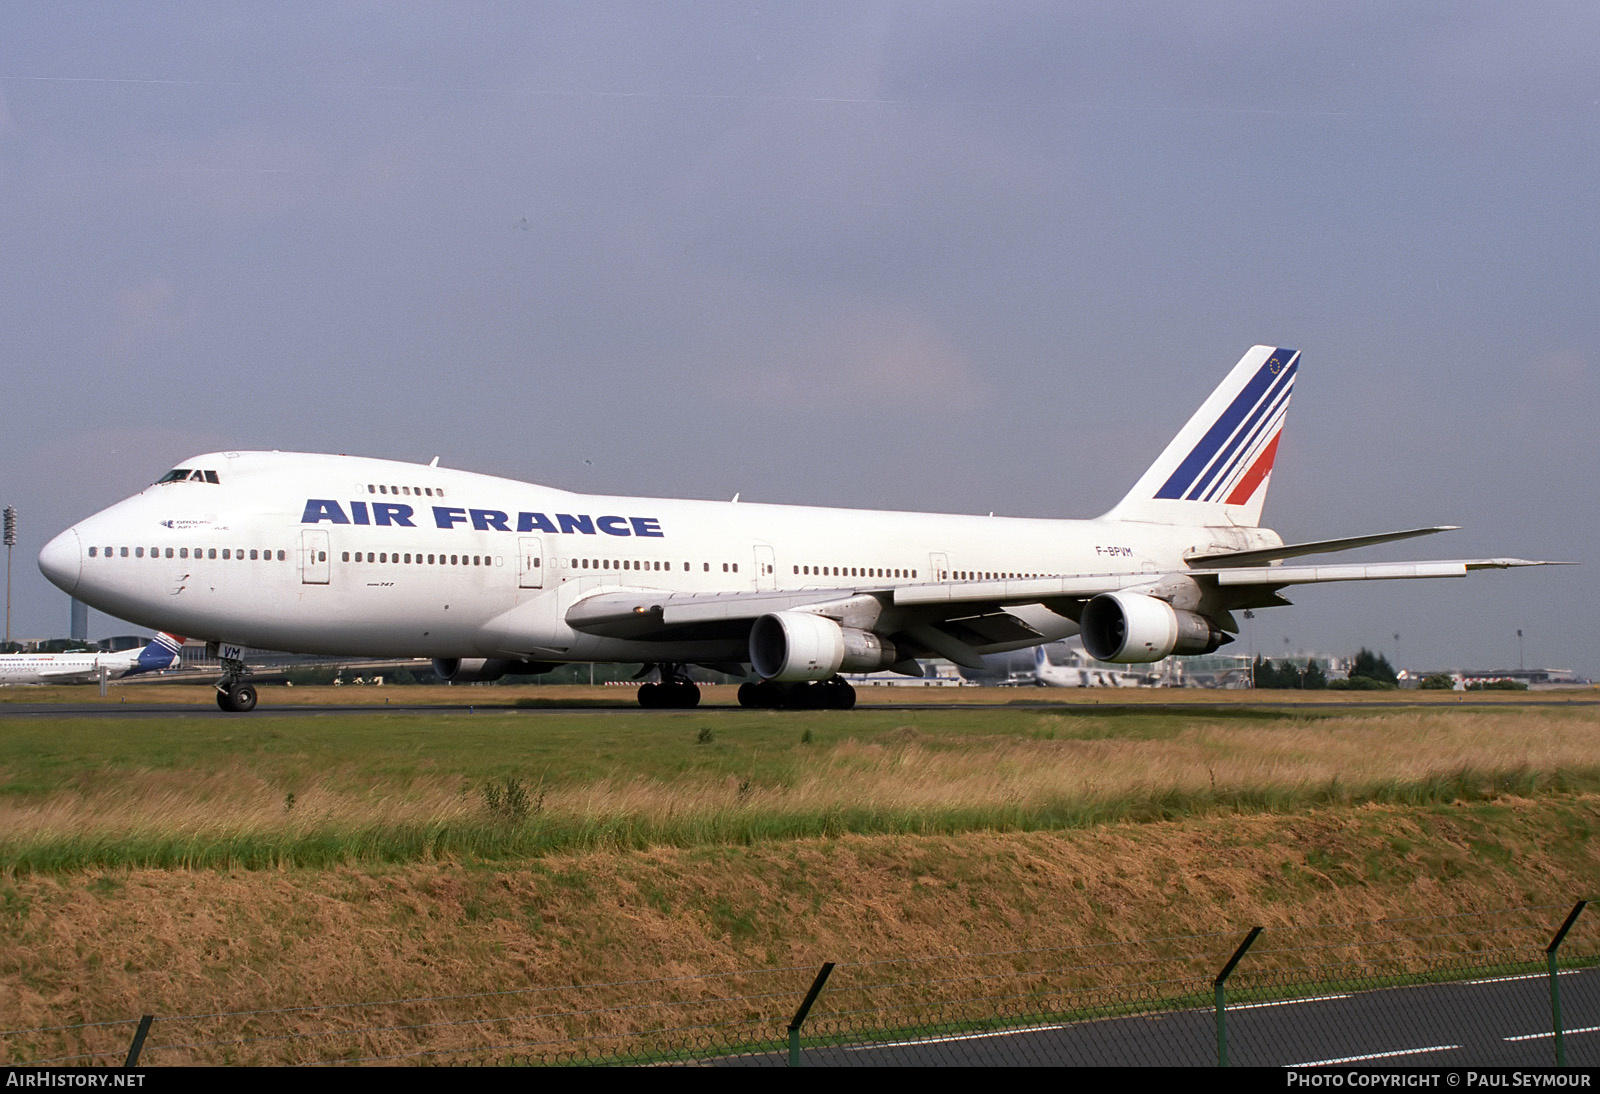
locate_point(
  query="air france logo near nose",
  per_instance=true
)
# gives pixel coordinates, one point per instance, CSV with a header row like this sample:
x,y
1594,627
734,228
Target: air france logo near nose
x,y
393,514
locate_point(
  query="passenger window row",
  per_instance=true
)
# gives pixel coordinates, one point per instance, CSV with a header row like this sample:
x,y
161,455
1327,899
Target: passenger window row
x,y
982,575
854,571
410,559
643,564
410,491
183,552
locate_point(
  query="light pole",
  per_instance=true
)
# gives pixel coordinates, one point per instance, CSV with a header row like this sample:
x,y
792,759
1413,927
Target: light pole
x,y
10,543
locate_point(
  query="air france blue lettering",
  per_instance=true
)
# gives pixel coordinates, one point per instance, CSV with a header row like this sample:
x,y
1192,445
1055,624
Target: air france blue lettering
x,y
385,513
319,509
448,517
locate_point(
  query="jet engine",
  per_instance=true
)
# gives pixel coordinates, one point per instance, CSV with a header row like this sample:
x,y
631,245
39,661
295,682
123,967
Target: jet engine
x,y
473,670
1131,627
794,646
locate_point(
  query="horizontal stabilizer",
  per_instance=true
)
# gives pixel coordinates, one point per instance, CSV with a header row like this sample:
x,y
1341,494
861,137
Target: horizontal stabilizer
x,y
1311,547
1377,571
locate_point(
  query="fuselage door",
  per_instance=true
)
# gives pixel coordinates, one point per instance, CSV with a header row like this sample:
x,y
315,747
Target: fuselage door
x,y
313,557
938,566
766,568
530,562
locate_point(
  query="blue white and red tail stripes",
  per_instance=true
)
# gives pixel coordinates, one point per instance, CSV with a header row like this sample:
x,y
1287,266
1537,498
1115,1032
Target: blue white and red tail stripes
x,y
1215,470
1239,447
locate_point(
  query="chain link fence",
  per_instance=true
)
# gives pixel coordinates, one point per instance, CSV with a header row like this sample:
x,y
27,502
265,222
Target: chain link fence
x,y
1512,986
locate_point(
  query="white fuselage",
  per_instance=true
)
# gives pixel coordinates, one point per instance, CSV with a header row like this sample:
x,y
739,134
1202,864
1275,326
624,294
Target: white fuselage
x,y
65,668
364,557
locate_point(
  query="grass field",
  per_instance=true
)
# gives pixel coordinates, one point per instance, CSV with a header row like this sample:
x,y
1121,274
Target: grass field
x,y
185,865
316,790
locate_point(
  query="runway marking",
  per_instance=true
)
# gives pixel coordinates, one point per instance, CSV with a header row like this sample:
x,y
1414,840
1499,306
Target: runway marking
x,y
956,1037
1526,976
1376,1056
1287,1002
1539,1036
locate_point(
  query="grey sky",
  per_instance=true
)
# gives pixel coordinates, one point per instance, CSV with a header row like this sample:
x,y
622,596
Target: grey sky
x,y
962,257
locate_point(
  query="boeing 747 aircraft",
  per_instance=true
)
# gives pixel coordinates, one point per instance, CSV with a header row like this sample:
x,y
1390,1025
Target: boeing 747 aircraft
x,y
352,556
88,668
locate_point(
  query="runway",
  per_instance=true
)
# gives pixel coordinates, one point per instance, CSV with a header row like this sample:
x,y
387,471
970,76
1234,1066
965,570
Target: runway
x,y
136,710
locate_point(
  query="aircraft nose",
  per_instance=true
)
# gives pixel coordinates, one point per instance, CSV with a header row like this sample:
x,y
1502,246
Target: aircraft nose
x,y
61,560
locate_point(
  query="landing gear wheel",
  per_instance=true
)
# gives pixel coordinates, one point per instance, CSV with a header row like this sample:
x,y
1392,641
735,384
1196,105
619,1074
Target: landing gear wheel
x,y
673,695
841,695
238,699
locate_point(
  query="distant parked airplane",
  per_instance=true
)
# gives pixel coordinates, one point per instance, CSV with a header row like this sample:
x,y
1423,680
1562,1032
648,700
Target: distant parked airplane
x,y
87,668
1085,675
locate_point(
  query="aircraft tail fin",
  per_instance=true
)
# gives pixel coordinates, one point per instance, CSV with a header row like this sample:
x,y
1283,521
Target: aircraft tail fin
x,y
1216,470
162,653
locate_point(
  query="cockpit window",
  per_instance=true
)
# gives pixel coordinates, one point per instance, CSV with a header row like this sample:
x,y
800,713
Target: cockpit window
x,y
185,474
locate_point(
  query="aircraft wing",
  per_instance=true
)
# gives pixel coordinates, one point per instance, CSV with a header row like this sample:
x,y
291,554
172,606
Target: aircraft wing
x,y
961,620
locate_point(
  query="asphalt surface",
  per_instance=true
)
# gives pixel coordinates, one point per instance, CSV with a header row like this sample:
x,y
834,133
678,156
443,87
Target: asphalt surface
x,y
1495,1022
624,702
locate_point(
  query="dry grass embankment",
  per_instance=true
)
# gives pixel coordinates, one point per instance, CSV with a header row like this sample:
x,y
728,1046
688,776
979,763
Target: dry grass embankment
x,y
646,851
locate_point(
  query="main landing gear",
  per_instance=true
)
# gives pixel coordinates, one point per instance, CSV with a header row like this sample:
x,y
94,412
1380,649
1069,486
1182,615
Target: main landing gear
x,y
834,694
233,694
675,691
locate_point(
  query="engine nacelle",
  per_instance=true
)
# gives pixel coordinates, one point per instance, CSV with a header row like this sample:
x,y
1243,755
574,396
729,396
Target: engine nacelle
x,y
1130,627
459,670
795,646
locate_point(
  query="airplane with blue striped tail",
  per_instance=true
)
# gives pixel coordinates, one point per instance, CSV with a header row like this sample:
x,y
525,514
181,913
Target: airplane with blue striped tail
x,y
352,556
89,667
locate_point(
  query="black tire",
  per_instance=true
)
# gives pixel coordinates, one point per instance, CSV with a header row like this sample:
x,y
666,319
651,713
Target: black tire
x,y
225,701
749,696
687,695
243,697
805,697
650,696
844,696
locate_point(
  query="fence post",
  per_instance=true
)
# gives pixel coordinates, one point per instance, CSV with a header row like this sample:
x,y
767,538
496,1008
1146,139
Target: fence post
x,y
1218,986
805,1008
138,1041
1555,985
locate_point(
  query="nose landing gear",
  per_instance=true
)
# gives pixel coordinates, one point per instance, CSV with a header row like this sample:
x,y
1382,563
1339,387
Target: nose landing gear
x,y
233,694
